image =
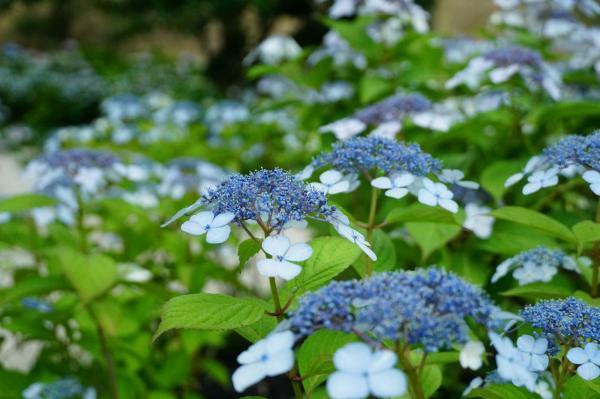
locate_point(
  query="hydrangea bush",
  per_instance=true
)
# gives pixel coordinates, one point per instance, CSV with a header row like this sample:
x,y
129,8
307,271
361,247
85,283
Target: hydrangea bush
x,y
393,213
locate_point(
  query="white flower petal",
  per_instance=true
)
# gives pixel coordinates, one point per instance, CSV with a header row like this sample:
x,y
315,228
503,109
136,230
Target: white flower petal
x,y
268,267
192,228
382,360
595,187
531,188
276,245
254,352
279,341
342,385
382,182
318,187
538,363
203,218
525,343
299,252
577,356
330,177
218,235
449,204
540,346
588,371
222,219
248,375
513,179
396,193
353,358
468,184
279,363
403,180
288,270
340,187
368,251
388,383
591,176
426,197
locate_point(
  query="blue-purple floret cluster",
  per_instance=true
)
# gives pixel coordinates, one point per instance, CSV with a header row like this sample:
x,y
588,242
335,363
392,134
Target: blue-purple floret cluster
x,y
274,196
379,155
565,320
506,56
577,150
73,160
393,108
426,308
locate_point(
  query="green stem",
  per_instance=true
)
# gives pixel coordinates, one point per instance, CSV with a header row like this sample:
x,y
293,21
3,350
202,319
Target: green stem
x,y
370,228
109,360
83,241
596,266
414,380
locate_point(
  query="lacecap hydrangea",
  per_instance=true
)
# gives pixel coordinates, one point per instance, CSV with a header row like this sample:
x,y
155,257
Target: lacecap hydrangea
x,y
573,155
426,308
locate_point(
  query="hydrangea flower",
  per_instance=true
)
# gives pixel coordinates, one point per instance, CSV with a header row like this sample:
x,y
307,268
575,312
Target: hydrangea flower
x,y
425,308
534,352
332,182
188,175
478,220
386,115
68,388
565,319
500,65
406,167
216,227
283,253
224,113
266,358
511,363
339,51
274,50
573,155
535,265
587,359
362,372
470,355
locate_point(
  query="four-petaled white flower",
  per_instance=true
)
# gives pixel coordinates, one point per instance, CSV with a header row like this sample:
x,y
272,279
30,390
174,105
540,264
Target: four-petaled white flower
x,y
510,362
470,355
395,185
215,226
593,177
266,358
362,372
357,238
344,128
433,194
541,179
455,176
283,253
531,273
534,352
588,359
332,182
478,220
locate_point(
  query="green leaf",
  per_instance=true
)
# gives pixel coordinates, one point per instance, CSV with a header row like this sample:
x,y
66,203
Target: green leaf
x,y
539,291
371,87
316,354
586,232
90,275
32,286
510,238
431,379
25,202
536,220
385,250
421,213
577,387
331,256
210,312
432,236
493,177
502,391
246,250
257,330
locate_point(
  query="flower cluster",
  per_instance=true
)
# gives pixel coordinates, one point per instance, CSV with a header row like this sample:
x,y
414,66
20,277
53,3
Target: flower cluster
x,y
573,155
68,388
500,65
534,265
404,168
425,308
565,320
387,115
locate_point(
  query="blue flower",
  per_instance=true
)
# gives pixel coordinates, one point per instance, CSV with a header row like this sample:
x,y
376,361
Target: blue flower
x,y
588,360
570,156
565,319
426,308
